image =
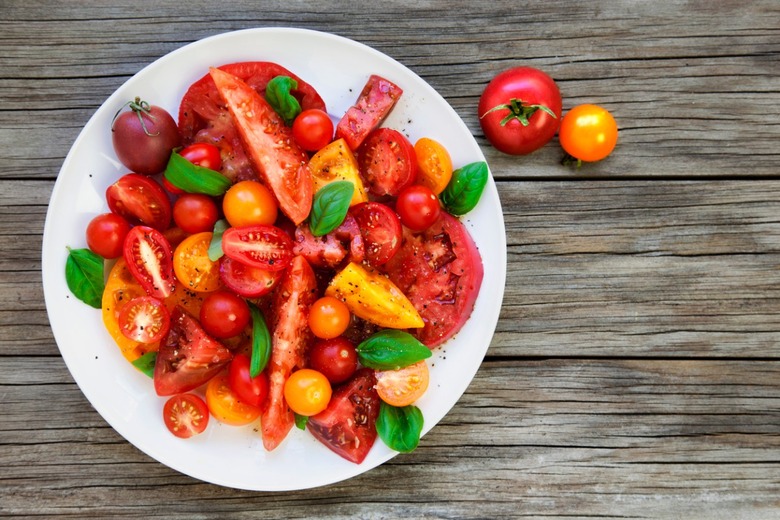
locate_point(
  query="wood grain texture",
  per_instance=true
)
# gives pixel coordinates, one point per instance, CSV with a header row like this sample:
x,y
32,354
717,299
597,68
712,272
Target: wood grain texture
x,y
635,370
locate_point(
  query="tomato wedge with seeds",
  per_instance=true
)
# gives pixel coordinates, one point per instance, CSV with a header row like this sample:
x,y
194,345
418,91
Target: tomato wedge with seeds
x,y
348,425
269,144
381,230
387,162
246,280
188,357
148,256
144,319
140,200
264,247
374,103
185,415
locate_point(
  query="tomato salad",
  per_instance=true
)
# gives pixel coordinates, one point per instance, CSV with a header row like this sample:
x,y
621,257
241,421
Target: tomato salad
x,y
265,263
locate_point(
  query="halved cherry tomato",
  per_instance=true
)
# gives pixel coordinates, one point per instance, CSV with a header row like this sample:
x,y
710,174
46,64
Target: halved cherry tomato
x,y
381,230
185,415
203,154
106,235
348,425
336,162
192,265
374,103
195,212
283,168
313,129
328,317
336,358
225,405
140,200
434,165
387,162
588,133
249,203
188,357
404,386
224,314
148,256
246,280
144,319
121,288
251,390
307,392
265,247
418,207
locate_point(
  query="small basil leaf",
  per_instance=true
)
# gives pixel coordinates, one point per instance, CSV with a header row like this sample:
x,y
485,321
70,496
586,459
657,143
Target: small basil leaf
x,y
84,276
330,206
261,342
301,421
391,349
399,428
215,246
465,188
146,363
193,178
278,95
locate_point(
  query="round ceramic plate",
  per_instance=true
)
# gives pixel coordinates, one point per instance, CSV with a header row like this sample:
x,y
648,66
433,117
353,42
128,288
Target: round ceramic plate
x,y
225,455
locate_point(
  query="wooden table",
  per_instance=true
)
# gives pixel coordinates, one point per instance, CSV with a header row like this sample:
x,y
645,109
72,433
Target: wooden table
x,y
635,370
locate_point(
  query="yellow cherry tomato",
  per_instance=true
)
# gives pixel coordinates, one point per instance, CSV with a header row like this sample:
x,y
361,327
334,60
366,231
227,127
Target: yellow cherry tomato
x,y
225,405
404,386
249,203
434,165
192,265
328,317
588,133
307,392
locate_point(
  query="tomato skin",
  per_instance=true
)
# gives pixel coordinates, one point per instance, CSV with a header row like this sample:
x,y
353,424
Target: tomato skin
x,y
307,392
144,319
262,246
374,103
336,358
251,390
195,212
148,257
328,317
404,386
246,280
387,162
418,207
313,129
203,154
224,314
225,405
381,230
140,200
249,203
348,425
531,87
185,415
192,265
144,147
434,164
106,235
588,133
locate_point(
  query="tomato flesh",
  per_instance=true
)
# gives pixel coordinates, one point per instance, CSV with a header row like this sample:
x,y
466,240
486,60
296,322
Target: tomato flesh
x,y
140,200
343,244
148,257
374,103
144,319
264,247
387,162
185,415
246,280
381,230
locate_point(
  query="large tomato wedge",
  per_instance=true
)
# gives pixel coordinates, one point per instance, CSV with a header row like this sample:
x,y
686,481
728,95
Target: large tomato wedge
x,y
381,230
188,357
264,247
290,337
440,271
148,256
140,200
387,162
374,103
269,144
203,116
348,425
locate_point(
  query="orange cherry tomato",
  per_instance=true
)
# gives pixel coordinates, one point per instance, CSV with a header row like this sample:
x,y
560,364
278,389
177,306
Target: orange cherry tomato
x,y
404,386
307,392
328,317
249,203
192,265
225,405
434,165
588,133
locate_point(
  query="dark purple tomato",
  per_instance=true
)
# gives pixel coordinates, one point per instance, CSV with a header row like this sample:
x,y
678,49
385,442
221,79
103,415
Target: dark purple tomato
x,y
144,137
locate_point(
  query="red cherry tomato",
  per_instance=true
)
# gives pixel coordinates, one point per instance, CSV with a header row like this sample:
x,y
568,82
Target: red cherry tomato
x,y
194,212
418,207
140,200
144,319
246,280
203,154
313,129
224,314
106,235
336,358
251,390
185,415
149,259
266,247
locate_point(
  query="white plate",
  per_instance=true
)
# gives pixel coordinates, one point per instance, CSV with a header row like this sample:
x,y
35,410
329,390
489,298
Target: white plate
x,y
229,456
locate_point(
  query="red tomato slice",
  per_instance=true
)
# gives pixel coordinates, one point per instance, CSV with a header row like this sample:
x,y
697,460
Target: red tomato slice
x,y
188,357
440,271
290,337
149,259
185,415
374,103
387,162
264,247
381,230
245,280
270,145
144,319
204,117
140,200
331,250
348,425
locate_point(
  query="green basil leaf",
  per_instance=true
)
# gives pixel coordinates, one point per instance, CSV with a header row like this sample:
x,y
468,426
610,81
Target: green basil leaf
x,y
465,188
193,178
215,246
146,363
84,276
278,95
399,428
330,206
261,342
301,421
391,349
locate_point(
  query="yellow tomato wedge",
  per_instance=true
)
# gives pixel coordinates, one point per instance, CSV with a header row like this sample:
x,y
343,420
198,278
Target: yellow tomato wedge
x,y
373,297
336,162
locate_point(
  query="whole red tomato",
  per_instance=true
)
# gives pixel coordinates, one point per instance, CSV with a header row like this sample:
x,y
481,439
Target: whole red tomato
x,y
520,110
